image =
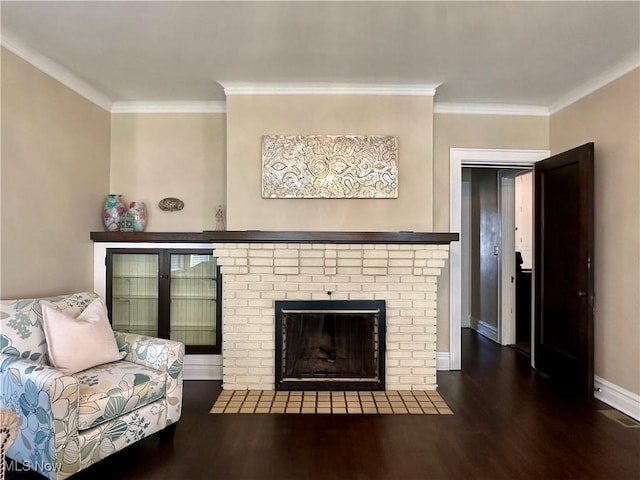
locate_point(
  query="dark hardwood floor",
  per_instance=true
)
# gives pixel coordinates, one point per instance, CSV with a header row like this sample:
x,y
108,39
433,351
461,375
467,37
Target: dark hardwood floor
x,y
508,423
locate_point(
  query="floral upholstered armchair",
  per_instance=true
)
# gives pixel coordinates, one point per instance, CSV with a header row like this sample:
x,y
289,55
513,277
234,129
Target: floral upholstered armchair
x,y
70,421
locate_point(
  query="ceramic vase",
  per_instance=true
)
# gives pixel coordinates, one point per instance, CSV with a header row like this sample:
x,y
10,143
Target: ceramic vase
x,y
138,211
114,209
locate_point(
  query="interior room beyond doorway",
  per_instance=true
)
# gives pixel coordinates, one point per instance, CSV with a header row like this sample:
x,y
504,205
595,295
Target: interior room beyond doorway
x,y
496,261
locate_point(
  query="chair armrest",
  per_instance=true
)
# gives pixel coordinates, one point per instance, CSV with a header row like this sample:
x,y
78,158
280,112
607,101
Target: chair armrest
x,y
46,402
161,354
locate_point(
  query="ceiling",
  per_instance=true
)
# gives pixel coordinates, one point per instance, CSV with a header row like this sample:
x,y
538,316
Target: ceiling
x,y
510,53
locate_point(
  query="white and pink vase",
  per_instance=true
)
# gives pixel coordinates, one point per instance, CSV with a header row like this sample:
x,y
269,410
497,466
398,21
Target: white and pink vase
x,y
113,211
138,213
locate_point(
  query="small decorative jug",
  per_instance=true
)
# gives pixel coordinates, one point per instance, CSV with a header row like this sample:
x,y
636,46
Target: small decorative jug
x,y
138,211
112,212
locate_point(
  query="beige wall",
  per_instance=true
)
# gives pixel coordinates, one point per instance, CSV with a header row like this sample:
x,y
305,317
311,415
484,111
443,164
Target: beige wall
x,y
472,131
478,131
160,155
54,173
610,118
407,117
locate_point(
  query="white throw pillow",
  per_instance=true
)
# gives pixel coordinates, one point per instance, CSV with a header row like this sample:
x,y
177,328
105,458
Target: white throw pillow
x,y
79,343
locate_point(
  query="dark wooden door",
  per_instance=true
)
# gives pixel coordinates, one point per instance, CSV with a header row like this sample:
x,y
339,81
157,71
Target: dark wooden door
x,y
563,268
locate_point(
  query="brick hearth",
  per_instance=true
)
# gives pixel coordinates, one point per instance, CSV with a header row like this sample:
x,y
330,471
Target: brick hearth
x,y
255,275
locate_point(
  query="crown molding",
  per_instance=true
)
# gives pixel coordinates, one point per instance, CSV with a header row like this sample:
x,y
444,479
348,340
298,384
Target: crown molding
x,y
490,109
246,88
596,83
169,107
84,89
55,70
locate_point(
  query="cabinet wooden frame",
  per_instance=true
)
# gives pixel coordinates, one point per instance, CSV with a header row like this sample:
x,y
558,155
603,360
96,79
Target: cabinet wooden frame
x,y
164,291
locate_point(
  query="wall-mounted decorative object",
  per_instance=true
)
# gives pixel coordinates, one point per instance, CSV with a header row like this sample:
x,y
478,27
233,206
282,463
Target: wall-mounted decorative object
x,y
170,204
114,209
329,166
138,212
221,220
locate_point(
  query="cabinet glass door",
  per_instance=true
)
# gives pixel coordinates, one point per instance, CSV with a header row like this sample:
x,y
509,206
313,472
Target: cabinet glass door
x,y
193,299
134,293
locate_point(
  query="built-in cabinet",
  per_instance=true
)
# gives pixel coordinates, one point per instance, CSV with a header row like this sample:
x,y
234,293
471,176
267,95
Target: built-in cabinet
x,y
166,285
168,293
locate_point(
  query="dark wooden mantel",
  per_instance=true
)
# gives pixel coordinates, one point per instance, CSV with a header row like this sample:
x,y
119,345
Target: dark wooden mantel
x,y
255,236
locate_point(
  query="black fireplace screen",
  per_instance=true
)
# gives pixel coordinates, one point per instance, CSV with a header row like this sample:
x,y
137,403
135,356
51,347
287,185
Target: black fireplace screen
x,y
330,345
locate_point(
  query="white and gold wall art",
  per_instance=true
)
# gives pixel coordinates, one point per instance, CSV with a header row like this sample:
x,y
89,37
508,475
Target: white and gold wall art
x,y
329,166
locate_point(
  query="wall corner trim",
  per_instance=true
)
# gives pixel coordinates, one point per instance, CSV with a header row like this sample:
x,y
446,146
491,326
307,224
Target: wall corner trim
x,y
490,109
442,361
55,71
246,88
485,329
203,367
617,397
169,107
596,83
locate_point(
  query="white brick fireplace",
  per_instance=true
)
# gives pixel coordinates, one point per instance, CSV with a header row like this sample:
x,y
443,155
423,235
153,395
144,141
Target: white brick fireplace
x,y
255,275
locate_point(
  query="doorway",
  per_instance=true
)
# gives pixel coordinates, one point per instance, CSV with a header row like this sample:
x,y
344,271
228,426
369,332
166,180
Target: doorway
x,y
496,239
459,158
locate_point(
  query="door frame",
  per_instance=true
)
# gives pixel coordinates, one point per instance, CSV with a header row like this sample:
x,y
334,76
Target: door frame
x,y
459,157
507,258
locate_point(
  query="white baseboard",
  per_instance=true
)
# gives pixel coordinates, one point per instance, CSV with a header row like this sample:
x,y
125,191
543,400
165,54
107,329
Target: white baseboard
x,y
442,361
203,367
617,397
484,329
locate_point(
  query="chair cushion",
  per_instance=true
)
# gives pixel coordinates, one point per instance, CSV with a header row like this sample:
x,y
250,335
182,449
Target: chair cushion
x,y
111,390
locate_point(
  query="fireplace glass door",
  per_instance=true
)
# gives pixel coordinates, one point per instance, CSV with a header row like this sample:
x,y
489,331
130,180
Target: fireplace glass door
x,y
330,345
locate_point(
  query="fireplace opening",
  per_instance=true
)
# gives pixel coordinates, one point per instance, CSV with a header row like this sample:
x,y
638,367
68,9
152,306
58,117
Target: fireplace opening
x,y
330,345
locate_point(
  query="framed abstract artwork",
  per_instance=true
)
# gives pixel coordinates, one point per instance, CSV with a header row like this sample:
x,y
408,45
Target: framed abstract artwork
x,y
329,166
